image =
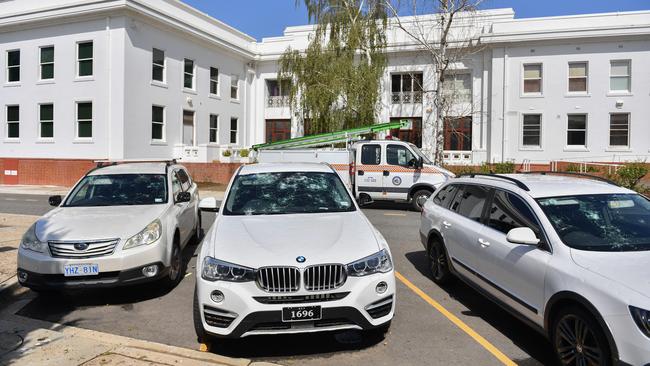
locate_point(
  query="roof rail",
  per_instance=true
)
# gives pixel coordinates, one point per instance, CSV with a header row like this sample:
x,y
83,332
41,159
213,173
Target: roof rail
x,y
103,163
515,181
576,174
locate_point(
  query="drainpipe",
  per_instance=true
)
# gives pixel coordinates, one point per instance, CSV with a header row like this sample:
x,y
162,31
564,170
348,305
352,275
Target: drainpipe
x,y
109,115
504,105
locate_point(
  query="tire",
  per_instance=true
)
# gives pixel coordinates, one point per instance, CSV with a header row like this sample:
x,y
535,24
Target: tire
x,y
198,230
176,268
593,347
438,262
418,199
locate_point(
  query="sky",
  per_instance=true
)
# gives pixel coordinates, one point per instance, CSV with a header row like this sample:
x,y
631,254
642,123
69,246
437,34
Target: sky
x,y
268,18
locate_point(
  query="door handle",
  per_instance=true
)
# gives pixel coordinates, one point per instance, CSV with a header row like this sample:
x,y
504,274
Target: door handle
x,y
386,173
360,172
446,224
484,243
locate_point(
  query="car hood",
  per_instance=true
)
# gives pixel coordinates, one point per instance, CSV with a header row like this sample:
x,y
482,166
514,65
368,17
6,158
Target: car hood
x,y
94,223
258,241
629,269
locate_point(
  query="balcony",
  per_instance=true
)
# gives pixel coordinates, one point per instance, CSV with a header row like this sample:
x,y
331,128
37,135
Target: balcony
x,y
277,101
406,97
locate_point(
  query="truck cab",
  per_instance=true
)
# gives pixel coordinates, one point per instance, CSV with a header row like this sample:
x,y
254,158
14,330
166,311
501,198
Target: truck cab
x,y
396,171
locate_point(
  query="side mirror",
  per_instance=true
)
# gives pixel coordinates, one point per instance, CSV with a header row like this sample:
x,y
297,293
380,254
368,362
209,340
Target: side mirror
x,y
522,235
183,197
209,204
55,200
420,163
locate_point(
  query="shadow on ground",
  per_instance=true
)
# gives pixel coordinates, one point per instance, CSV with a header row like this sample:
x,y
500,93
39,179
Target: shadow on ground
x,y
526,338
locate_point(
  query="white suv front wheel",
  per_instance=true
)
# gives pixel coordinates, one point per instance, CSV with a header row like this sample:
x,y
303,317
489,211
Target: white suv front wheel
x,y
579,340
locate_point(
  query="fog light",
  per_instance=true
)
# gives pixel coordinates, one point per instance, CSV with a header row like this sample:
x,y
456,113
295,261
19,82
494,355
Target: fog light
x,y
150,271
22,276
381,287
217,296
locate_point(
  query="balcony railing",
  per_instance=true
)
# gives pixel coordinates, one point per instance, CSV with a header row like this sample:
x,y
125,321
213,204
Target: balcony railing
x,y
406,97
277,101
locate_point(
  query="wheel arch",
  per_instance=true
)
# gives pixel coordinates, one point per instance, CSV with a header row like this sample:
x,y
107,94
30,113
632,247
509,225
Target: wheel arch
x,y
567,298
421,186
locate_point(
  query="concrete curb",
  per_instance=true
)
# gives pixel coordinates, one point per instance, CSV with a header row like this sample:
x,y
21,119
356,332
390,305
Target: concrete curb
x,y
10,282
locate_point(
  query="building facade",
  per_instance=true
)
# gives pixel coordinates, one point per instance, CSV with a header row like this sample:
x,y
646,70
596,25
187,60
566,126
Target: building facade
x,y
157,79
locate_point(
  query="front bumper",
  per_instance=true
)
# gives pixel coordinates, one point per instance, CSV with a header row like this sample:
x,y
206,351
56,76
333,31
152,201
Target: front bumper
x,y
632,345
355,305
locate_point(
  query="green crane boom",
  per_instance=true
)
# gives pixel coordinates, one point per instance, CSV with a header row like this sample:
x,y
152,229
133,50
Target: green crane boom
x,y
329,138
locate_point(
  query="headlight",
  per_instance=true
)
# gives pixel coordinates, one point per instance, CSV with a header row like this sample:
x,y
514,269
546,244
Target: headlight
x,y
379,262
150,234
31,242
642,319
217,270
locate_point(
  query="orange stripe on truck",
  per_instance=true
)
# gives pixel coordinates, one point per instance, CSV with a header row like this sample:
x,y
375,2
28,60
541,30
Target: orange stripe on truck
x,y
390,168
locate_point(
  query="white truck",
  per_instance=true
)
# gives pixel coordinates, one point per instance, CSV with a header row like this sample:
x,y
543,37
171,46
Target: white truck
x,y
374,170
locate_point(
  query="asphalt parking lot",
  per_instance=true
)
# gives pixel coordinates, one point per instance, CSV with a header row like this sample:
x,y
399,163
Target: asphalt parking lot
x,y
453,325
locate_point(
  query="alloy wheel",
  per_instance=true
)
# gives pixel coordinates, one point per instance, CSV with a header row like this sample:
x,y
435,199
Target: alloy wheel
x,y
175,269
576,343
437,261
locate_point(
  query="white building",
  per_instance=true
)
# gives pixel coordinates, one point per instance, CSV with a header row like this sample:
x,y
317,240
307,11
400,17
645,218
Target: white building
x,y
131,79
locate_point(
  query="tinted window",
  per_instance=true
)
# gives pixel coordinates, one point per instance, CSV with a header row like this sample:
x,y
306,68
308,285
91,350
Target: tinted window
x,y
399,155
444,197
119,189
470,201
184,178
371,154
509,211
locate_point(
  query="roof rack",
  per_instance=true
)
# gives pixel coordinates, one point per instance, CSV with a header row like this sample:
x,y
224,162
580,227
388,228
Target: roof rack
x,y
515,181
103,163
576,174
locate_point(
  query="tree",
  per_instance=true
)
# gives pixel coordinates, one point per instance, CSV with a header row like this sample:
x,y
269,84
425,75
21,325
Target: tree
x,y
336,80
446,33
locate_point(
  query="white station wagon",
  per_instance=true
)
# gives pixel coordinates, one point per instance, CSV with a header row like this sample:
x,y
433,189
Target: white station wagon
x,y
121,224
290,252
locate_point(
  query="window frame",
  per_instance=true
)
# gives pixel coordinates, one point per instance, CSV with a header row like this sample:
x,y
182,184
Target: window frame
x,y
41,64
235,86
454,75
41,121
163,123
7,122
569,77
236,131
163,66
586,131
9,67
539,93
629,132
80,60
523,146
193,74
216,129
400,146
488,199
77,120
375,146
214,82
628,77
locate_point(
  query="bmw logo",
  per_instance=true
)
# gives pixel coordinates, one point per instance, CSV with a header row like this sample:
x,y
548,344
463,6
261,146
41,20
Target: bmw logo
x,y
301,259
81,246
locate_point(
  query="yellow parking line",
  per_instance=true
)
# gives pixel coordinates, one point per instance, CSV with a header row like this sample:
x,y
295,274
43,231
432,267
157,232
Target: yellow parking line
x,y
459,323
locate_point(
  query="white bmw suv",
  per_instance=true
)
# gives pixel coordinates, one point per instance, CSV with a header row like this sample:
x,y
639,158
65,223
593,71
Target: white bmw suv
x,y
569,256
120,224
290,252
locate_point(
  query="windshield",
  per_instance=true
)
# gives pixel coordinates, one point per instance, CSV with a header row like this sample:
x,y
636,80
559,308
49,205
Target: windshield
x,y
119,189
287,192
420,154
603,222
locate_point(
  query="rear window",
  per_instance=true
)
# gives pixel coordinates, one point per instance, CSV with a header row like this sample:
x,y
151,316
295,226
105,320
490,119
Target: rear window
x,y
371,154
469,202
444,197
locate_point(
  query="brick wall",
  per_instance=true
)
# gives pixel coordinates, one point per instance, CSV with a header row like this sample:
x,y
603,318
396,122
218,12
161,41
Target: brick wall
x,y
214,172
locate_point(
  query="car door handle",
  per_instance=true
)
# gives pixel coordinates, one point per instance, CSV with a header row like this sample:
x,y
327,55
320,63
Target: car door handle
x,y
386,173
360,172
484,243
446,224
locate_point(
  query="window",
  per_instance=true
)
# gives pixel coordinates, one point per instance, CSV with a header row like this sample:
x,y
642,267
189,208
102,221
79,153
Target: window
x,y
399,155
457,133
176,186
371,155
234,87
188,128
278,93
469,202
214,81
457,87
576,130
533,79
620,76
13,121
84,120
277,130
188,74
444,197
47,63
532,130
46,121
412,132
406,88
233,130
214,128
85,59
509,211
578,77
158,65
157,123
619,129
13,66
186,184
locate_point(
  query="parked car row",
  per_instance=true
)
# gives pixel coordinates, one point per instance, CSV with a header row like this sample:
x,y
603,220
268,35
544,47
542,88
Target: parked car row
x,y
290,251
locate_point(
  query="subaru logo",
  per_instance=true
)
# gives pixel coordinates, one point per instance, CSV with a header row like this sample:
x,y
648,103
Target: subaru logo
x,y
81,246
301,259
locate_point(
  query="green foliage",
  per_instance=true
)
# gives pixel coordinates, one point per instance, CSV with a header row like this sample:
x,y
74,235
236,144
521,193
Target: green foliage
x,y
336,81
226,153
244,153
485,168
631,174
575,168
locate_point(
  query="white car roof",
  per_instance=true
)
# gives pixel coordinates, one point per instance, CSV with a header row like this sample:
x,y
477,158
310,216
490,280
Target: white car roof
x,y
131,168
285,167
550,185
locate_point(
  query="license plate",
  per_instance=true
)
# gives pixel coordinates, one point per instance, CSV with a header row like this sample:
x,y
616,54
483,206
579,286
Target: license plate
x,y
72,270
302,313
